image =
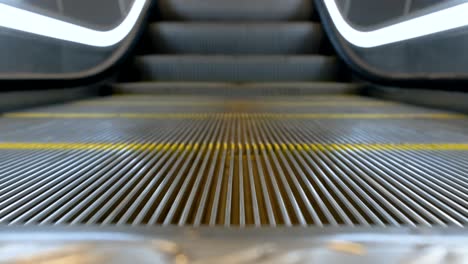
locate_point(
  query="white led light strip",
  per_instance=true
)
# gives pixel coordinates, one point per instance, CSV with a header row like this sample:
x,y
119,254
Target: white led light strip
x,y
450,18
19,19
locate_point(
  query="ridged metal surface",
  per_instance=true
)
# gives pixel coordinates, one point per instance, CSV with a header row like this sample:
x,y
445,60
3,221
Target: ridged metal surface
x,y
242,10
238,166
234,38
224,68
236,89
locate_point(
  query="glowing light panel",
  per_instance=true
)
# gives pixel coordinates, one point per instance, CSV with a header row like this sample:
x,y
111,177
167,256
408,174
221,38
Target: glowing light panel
x,y
449,18
26,21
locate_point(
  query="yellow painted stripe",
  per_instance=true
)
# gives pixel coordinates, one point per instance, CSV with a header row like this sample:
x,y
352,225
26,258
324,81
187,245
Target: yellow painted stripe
x,y
274,146
387,147
233,115
368,116
207,98
81,146
106,115
235,103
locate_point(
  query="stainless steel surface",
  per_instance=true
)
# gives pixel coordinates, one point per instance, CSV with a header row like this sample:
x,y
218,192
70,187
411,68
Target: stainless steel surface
x,y
211,245
236,69
236,89
234,150
234,38
223,161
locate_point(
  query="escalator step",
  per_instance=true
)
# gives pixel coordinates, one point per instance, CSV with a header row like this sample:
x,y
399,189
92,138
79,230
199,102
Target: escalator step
x,y
236,68
233,162
234,38
225,89
239,10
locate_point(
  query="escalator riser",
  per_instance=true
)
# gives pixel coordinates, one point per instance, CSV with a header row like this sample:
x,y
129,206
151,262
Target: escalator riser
x,y
241,10
234,38
236,68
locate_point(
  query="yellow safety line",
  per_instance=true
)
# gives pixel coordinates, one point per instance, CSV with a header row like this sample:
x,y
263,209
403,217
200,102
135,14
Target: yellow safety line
x,y
82,146
234,115
234,103
234,146
106,115
367,116
178,97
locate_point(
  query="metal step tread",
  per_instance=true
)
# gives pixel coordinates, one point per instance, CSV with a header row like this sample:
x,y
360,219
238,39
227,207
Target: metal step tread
x,y
240,10
234,38
236,89
223,68
234,162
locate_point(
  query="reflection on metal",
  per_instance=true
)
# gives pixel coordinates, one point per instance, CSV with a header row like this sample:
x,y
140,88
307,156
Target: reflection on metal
x,y
123,8
26,21
215,246
443,20
60,6
204,164
407,8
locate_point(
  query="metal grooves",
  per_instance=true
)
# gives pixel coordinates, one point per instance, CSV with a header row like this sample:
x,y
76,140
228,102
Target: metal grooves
x,y
233,169
395,184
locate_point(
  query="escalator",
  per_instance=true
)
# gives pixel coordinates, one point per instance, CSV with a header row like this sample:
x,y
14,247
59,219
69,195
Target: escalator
x,y
234,116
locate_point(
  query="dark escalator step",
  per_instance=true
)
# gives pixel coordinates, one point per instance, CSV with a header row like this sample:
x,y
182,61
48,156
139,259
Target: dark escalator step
x,y
236,68
247,89
235,38
229,10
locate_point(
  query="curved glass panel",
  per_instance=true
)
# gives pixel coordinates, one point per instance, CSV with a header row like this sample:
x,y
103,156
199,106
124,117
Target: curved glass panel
x,y
45,39
374,14
404,39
